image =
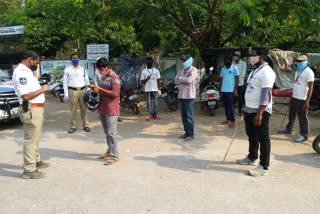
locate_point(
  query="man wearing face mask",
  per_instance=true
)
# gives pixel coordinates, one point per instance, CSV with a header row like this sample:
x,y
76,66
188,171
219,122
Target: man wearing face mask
x,y
242,67
257,111
109,90
31,98
186,79
229,80
74,84
150,77
302,92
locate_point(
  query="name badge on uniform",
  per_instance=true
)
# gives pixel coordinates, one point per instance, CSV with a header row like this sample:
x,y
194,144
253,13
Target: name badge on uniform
x,y
23,80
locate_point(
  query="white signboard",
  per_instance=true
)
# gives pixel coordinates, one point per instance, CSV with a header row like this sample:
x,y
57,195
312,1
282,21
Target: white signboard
x,y
97,50
11,30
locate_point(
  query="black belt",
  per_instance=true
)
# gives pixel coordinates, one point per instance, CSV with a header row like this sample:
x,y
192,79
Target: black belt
x,y
77,89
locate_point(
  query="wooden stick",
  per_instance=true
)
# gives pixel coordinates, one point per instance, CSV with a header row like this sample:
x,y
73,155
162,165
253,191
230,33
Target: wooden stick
x,y
225,156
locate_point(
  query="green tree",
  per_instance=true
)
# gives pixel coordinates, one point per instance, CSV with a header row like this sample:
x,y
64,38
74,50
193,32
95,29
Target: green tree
x,y
217,23
10,15
50,25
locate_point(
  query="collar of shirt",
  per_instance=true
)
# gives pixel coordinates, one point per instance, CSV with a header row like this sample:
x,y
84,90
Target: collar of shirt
x,y
75,69
108,75
263,64
25,67
189,69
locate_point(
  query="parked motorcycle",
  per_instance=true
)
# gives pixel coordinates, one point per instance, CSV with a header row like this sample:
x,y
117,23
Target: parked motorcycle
x,y
209,95
169,94
46,78
57,90
129,99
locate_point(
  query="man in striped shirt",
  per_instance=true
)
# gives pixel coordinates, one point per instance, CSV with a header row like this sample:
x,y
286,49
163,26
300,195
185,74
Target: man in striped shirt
x,y
109,89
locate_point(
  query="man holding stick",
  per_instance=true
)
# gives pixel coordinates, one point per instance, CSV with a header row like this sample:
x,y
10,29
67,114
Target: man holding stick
x,y
257,111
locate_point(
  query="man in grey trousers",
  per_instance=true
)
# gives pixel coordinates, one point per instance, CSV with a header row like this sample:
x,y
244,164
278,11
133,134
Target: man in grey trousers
x,y
109,88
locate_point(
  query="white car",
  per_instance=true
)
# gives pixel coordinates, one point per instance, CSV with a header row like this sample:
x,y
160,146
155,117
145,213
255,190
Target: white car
x,y
9,103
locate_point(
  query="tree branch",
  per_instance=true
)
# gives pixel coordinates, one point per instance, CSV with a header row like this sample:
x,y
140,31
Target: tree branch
x,y
242,28
220,23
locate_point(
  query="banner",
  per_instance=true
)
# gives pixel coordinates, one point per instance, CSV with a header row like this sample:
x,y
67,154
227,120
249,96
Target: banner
x,y
11,30
47,66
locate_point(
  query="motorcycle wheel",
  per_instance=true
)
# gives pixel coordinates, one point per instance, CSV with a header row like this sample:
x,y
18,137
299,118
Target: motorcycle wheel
x,y
212,113
316,144
61,98
136,109
173,106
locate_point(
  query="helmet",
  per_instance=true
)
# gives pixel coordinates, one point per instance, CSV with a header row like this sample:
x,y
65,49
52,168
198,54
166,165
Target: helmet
x,y
92,100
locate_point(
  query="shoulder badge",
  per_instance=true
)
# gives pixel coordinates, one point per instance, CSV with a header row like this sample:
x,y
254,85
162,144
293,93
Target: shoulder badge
x,y
23,80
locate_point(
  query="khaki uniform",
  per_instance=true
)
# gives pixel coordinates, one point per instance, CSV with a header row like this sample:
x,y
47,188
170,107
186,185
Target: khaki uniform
x,y
76,97
24,83
32,124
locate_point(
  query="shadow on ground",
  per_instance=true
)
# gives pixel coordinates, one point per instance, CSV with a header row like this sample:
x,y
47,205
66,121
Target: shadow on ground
x,y
190,163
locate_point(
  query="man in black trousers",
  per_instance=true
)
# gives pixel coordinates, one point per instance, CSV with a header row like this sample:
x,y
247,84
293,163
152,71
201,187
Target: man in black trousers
x,y
257,111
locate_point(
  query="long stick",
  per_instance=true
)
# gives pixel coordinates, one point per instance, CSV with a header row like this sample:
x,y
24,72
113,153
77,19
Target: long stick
x,y
149,107
225,156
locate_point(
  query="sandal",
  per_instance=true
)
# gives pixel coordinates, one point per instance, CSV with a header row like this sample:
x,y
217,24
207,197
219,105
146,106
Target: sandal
x,y
225,122
111,161
104,156
188,139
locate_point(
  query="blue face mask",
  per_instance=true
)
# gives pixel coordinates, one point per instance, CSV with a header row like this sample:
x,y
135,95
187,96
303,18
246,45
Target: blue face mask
x,y
75,61
187,63
301,65
235,58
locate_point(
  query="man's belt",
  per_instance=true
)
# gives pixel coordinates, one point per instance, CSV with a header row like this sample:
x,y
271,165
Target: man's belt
x,y
39,105
77,89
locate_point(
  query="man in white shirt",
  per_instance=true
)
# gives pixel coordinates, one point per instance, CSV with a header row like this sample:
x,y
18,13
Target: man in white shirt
x,y
242,67
150,77
302,92
75,81
31,98
257,111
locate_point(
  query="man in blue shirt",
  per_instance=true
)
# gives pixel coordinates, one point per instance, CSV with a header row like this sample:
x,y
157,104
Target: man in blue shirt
x,y
229,80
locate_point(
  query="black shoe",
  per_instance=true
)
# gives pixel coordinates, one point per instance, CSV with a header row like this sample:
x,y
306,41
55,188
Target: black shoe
x,y
33,175
87,129
71,130
119,119
42,165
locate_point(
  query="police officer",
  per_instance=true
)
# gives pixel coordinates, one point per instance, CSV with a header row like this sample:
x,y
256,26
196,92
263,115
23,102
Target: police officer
x,y
31,99
74,84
